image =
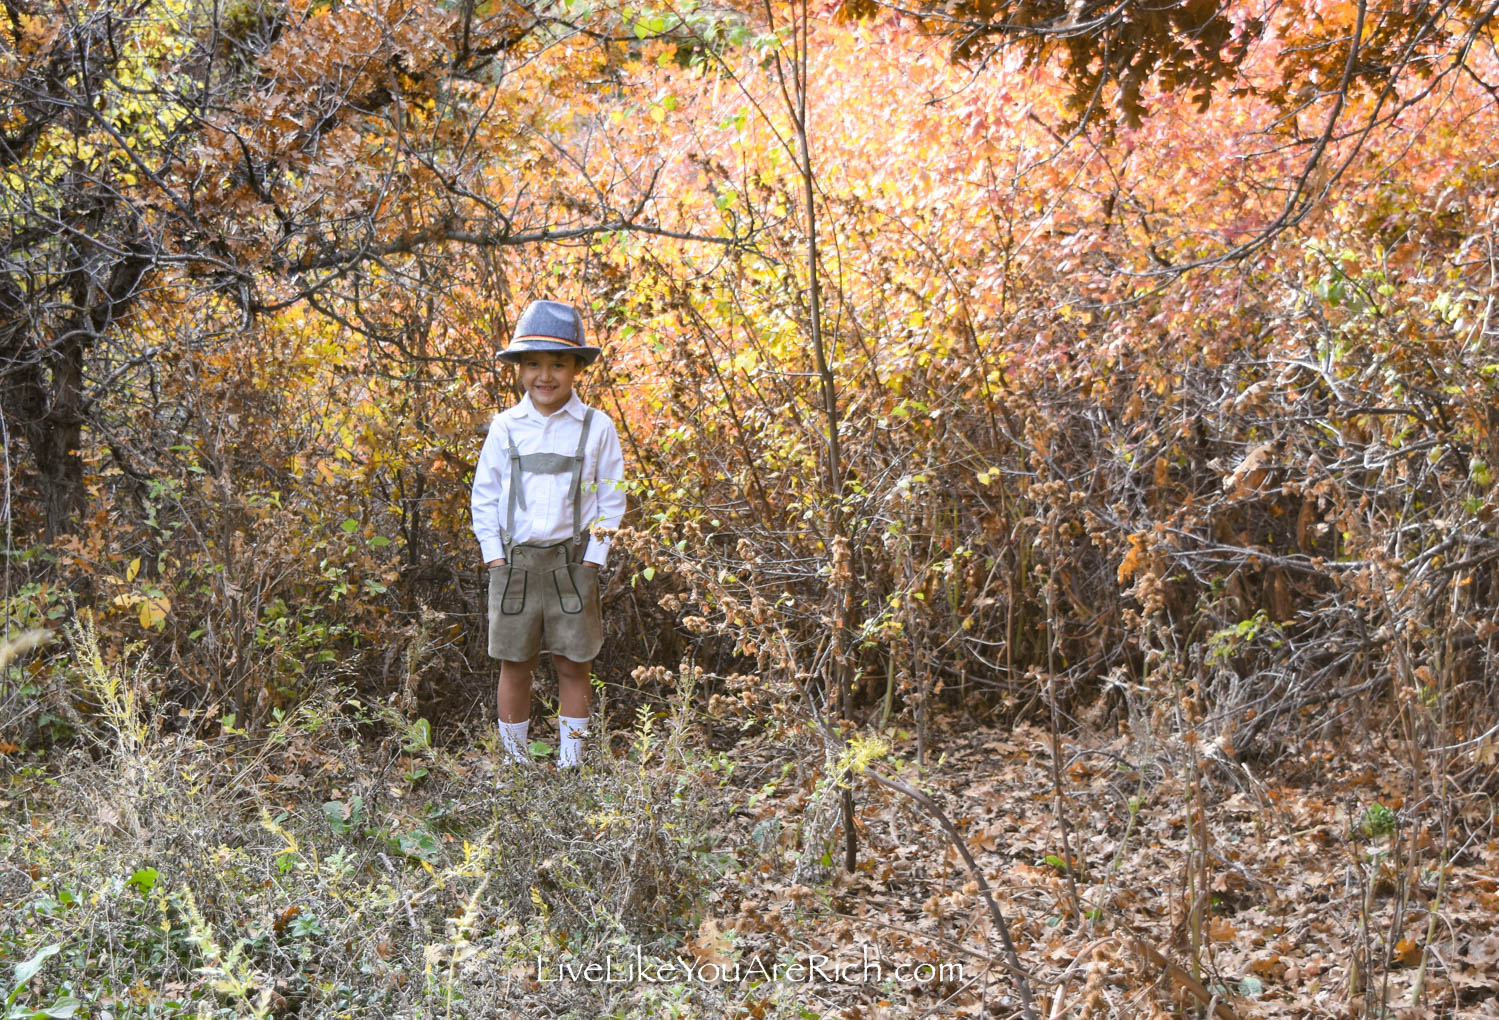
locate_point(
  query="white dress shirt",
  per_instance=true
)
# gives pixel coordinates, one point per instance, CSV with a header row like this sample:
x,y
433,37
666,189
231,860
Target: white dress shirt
x,y
548,515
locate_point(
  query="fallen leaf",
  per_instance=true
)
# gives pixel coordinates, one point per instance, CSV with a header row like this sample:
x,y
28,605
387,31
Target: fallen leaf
x,y
1222,930
712,946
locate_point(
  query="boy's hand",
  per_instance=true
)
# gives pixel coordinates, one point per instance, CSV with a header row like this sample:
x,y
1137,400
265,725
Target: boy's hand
x,y
496,563
590,563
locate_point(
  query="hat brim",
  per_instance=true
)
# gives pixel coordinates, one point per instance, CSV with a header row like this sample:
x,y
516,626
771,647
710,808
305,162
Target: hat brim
x,y
520,348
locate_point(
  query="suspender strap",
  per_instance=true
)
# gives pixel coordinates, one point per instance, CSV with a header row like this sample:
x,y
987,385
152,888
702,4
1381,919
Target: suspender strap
x,y
578,478
517,493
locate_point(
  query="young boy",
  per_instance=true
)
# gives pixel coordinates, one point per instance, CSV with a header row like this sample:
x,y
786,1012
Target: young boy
x,y
550,472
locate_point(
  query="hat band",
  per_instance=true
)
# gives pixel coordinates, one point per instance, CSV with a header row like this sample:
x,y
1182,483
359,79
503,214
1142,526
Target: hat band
x,y
548,339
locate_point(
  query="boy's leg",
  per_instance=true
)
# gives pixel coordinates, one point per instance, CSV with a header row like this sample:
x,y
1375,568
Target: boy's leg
x,y
573,686
573,689
514,702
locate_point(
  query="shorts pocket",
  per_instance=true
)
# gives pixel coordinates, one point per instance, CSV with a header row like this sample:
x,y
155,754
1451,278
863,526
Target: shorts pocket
x,y
577,585
507,586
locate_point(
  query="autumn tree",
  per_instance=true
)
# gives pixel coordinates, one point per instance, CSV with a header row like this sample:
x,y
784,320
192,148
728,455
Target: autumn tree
x,y
219,163
1052,483
333,208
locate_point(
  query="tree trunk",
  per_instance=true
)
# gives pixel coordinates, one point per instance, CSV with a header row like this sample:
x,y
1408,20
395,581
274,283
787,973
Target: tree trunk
x,y
42,391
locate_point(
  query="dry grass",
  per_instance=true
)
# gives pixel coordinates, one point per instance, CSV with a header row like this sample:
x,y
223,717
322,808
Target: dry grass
x,y
342,863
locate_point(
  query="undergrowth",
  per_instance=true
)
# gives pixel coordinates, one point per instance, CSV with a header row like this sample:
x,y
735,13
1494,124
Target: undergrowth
x,y
343,865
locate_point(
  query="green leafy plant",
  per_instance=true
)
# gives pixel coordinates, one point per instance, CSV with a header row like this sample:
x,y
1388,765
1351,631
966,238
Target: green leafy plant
x,y
64,1007
345,817
1377,820
143,880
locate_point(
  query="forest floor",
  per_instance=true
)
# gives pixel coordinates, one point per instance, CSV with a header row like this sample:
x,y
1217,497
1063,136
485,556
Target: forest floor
x,y
1328,887
328,872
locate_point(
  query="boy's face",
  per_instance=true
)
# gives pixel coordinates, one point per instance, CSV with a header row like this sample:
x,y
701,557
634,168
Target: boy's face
x,y
547,376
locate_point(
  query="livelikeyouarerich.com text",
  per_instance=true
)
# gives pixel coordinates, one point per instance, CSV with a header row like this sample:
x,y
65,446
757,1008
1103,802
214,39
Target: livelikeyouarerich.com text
x,y
812,968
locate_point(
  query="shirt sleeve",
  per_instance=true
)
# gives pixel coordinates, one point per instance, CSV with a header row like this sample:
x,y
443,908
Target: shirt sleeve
x,y
491,484
609,479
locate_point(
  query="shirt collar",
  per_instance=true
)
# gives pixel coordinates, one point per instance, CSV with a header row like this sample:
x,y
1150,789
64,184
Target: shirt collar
x,y
526,409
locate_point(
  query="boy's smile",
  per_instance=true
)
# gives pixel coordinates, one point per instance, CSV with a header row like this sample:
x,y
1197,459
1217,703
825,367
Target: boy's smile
x,y
547,377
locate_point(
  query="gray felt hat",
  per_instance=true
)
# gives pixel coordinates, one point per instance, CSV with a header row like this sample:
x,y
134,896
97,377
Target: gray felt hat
x,y
549,326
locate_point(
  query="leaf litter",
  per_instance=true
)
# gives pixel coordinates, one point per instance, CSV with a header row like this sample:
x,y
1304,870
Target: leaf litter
x,y
1270,895
1331,884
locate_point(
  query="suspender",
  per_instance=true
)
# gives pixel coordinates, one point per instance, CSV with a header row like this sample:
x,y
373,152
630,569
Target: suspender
x,y
545,464
577,486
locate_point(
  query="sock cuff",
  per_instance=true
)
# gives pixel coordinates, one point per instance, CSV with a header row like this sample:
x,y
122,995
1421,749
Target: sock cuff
x,y
513,740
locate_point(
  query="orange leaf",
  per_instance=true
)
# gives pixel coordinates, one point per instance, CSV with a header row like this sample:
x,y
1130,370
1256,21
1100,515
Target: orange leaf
x,y
1222,930
1408,952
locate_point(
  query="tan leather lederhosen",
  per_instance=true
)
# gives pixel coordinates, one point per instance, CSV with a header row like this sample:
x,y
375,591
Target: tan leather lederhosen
x,y
545,597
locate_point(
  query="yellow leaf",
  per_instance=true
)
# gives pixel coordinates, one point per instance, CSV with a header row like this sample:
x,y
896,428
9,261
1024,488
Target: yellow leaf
x,y
1131,562
134,569
153,612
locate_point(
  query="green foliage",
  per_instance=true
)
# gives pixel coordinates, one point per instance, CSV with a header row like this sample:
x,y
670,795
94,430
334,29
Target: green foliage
x,y
143,880
1377,820
64,1007
1222,644
344,818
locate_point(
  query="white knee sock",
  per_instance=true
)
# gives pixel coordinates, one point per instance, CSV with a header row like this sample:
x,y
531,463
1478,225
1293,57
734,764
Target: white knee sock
x,y
570,728
513,741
